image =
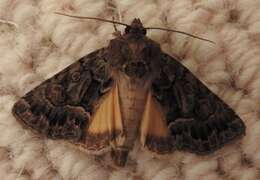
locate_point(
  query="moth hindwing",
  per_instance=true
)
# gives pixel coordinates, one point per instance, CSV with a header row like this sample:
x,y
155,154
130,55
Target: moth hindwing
x,y
126,91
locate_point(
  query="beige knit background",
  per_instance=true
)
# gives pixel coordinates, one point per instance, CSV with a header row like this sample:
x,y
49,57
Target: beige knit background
x,y
41,44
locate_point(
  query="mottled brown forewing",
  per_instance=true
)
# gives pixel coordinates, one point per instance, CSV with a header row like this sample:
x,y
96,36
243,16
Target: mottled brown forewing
x,y
197,119
62,106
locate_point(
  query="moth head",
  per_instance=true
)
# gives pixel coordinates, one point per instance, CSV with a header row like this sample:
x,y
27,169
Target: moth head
x,y
136,28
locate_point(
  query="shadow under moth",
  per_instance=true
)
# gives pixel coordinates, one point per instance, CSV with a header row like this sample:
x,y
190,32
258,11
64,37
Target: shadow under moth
x,y
129,90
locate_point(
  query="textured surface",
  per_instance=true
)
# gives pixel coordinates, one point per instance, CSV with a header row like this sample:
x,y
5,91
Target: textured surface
x,y
44,43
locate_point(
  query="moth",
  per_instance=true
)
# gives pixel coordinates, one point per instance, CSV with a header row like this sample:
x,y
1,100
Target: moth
x,y
130,90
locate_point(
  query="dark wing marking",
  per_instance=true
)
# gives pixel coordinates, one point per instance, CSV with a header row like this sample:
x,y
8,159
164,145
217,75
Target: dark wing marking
x,y
197,119
61,107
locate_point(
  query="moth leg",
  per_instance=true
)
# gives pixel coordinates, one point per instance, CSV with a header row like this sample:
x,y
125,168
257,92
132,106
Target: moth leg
x,y
114,25
117,33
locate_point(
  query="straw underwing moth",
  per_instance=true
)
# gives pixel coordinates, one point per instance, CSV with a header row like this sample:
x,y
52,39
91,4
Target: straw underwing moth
x,y
129,90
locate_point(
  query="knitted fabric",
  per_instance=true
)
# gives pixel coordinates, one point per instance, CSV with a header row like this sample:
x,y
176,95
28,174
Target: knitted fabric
x,y
42,43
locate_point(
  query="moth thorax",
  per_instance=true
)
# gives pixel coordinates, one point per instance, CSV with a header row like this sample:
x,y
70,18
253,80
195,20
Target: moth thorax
x,y
135,69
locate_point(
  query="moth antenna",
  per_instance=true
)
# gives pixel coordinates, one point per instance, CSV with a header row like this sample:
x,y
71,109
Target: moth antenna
x,y
181,32
94,18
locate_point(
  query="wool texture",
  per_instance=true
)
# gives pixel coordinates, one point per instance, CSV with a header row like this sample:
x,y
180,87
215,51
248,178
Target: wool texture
x,y
36,43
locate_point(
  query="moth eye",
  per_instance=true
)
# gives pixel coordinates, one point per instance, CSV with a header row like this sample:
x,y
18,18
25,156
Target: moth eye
x,y
75,76
127,29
